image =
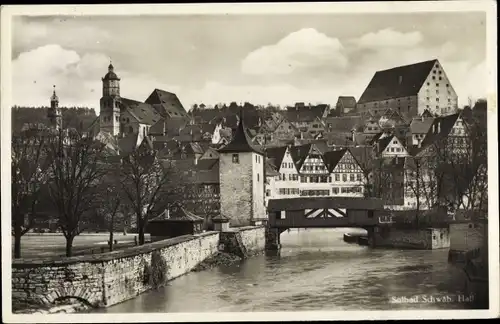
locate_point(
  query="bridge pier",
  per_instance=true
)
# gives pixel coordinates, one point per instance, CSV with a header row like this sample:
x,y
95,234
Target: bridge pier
x,y
273,242
371,236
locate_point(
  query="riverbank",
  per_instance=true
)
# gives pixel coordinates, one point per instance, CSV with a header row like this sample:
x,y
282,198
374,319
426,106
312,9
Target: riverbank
x,y
60,307
314,271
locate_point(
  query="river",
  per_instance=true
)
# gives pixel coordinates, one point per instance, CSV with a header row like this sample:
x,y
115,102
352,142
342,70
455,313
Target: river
x,y
315,270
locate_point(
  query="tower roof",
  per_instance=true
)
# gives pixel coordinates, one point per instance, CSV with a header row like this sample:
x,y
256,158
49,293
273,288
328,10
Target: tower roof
x,y
54,96
111,75
240,142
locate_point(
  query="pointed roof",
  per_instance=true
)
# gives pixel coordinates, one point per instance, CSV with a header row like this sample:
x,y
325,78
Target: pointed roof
x,y
54,96
299,154
332,158
111,75
240,142
402,81
276,155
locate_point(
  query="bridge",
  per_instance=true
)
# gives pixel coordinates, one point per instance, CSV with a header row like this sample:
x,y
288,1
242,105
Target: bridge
x,y
322,212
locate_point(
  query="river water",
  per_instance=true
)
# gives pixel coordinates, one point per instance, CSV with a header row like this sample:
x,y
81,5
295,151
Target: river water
x,y
315,270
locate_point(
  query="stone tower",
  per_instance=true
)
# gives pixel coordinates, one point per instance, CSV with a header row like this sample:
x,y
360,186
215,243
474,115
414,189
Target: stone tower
x,y
241,174
109,117
54,112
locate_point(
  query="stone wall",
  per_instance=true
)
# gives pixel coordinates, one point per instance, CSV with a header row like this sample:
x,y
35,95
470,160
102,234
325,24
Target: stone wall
x,y
466,236
423,239
243,241
105,279
236,188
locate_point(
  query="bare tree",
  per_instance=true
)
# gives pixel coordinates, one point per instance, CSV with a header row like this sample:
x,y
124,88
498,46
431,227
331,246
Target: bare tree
x,y
149,184
76,167
28,176
109,200
463,164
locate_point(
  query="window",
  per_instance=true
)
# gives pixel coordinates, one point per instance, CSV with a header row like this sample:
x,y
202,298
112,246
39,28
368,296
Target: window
x,y
437,84
428,98
302,179
437,99
117,119
447,85
337,177
236,158
330,179
335,191
344,177
258,177
433,78
351,177
437,91
440,78
358,177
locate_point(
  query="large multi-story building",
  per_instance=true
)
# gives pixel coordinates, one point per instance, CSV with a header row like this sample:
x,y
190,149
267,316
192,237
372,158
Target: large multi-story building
x,y
308,171
410,90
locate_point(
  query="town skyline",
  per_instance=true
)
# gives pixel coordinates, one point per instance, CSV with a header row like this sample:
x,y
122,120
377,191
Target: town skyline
x,y
293,58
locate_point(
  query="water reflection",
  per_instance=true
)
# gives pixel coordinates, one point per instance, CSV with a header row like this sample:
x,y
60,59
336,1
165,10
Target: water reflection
x,y
315,270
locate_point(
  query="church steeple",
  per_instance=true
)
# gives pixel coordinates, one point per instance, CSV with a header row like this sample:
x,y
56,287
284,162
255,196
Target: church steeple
x,y
110,102
54,113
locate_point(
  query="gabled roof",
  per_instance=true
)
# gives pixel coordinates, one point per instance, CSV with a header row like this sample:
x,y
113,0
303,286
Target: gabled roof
x,y
271,169
343,124
364,156
332,158
402,81
184,215
421,125
240,142
143,112
299,154
170,126
304,113
338,139
346,102
440,129
383,142
166,103
276,155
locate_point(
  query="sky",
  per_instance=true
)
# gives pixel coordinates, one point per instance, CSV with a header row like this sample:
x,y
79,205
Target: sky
x,y
279,59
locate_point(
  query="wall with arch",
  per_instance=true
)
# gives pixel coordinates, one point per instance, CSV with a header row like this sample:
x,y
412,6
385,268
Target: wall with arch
x,y
106,279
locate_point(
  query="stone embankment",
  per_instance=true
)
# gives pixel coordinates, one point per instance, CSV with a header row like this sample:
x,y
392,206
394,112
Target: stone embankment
x,y
72,284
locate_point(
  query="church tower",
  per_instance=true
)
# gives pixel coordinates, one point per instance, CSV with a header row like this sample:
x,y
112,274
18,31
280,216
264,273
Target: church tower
x,y
54,113
241,174
109,117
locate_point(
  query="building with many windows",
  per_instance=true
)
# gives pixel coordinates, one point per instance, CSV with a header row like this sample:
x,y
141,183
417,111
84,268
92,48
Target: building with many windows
x,y
410,90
